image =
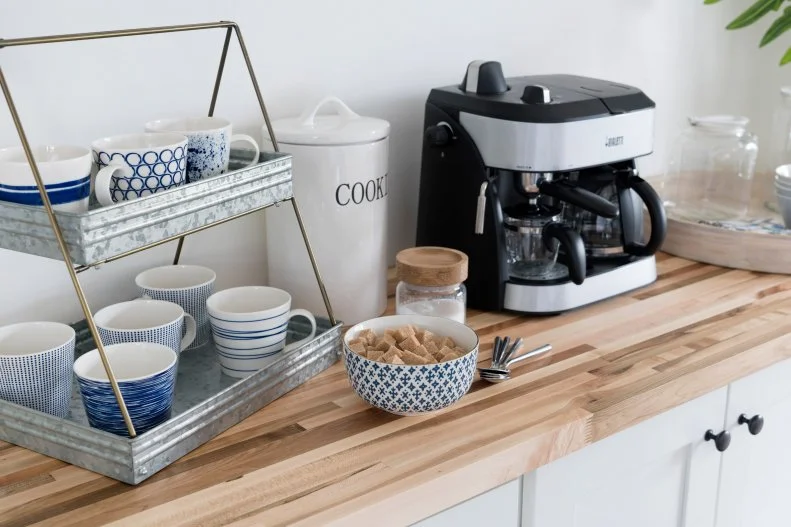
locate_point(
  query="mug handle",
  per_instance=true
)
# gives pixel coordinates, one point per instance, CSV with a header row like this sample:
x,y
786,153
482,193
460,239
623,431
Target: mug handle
x,y
247,139
104,179
307,314
190,333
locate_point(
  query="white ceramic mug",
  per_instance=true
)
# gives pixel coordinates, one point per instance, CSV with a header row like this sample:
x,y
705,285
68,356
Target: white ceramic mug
x,y
249,326
210,141
35,365
154,321
65,171
135,165
186,285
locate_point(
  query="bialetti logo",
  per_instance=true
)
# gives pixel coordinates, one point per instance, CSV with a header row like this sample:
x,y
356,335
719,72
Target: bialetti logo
x,y
614,141
360,192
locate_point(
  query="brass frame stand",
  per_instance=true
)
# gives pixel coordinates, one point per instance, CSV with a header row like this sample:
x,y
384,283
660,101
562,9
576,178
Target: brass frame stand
x,y
231,27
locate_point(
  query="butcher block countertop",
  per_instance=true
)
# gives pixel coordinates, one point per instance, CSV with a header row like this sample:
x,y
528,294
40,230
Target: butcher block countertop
x,y
321,456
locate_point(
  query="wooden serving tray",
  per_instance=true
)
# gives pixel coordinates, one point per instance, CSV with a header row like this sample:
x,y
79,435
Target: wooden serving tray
x,y
761,243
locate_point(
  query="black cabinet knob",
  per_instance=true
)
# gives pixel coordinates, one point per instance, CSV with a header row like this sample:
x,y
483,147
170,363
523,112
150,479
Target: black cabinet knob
x,y
722,440
754,424
439,134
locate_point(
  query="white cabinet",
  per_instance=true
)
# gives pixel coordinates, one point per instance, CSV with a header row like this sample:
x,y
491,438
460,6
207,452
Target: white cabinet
x,y
659,473
497,508
755,484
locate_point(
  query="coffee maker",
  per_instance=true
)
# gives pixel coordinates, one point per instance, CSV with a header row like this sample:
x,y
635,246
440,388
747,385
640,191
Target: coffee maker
x,y
535,179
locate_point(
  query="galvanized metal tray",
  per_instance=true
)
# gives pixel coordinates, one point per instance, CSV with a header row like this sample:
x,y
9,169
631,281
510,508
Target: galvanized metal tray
x,y
105,232
206,403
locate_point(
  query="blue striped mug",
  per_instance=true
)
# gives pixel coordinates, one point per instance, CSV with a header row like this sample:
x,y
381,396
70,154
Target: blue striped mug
x,y
249,327
65,172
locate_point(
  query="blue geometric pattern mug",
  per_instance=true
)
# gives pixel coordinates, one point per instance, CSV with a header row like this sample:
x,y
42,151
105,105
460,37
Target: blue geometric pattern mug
x,y
65,171
209,147
134,166
35,366
153,321
186,285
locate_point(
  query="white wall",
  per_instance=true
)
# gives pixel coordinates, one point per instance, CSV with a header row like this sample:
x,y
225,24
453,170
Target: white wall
x,y
381,57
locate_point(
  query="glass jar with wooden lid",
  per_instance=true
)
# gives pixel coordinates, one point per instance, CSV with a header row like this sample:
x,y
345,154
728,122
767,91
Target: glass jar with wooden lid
x,y
431,282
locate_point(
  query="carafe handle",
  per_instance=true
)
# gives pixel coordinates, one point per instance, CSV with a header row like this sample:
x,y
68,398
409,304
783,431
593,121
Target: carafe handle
x,y
580,197
656,213
572,245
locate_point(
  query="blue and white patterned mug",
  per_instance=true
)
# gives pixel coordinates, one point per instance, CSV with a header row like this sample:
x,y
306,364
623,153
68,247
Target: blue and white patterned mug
x,y
210,138
35,366
146,375
249,326
65,171
154,321
186,285
136,165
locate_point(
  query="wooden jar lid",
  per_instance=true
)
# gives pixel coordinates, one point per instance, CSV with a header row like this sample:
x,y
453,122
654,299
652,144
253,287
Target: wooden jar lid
x,y
431,266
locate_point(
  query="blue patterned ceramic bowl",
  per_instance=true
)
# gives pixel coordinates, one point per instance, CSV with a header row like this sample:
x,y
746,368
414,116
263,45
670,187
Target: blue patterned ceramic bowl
x,y
408,389
146,375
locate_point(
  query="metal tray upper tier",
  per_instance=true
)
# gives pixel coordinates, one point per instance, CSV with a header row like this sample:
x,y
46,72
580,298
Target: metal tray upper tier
x,y
102,233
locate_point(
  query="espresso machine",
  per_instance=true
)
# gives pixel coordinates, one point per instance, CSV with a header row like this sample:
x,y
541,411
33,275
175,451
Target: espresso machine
x,y
535,179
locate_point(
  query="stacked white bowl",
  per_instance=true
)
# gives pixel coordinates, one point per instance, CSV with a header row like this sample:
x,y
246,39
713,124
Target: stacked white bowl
x,y
783,192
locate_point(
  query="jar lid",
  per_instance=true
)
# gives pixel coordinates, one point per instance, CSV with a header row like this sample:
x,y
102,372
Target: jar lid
x,y
342,127
432,266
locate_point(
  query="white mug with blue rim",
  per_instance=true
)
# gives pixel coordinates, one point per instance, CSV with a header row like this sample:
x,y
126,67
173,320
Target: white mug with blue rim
x,y
65,171
136,165
210,141
249,326
155,321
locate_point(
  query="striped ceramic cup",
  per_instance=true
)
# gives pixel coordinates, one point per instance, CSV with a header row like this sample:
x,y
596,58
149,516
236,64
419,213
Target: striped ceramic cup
x,y
249,326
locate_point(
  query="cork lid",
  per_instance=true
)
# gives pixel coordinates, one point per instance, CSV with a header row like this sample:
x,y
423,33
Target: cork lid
x,y
431,266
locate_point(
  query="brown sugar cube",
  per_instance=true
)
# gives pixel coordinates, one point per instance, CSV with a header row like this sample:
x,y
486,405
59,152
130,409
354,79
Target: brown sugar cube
x,y
368,335
376,355
403,333
448,342
409,344
444,350
410,358
433,349
358,348
392,352
460,351
358,340
423,352
451,356
397,360
384,345
419,334
428,336
391,332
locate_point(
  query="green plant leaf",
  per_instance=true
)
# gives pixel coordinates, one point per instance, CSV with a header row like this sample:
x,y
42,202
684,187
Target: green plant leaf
x,y
754,13
778,27
786,58
710,1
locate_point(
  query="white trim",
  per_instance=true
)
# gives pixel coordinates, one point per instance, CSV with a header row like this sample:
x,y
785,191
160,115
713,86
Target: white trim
x,y
563,297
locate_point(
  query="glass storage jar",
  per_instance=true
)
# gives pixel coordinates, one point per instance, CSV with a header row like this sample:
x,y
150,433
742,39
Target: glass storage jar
x,y
431,282
711,171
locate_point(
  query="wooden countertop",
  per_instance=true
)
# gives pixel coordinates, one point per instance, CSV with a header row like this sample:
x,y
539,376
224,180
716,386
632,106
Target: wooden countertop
x,y
321,456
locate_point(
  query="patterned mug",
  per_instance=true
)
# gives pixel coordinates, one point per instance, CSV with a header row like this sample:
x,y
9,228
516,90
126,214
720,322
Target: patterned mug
x,y
209,149
136,165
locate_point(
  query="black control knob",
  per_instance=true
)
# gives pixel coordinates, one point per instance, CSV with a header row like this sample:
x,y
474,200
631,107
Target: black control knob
x,y
484,78
721,441
536,94
754,424
439,134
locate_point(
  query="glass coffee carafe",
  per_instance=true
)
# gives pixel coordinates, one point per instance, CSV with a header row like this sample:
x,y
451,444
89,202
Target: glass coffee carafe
x,y
534,236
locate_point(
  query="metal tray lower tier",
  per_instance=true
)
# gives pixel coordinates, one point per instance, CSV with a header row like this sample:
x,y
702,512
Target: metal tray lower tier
x,y
106,232
206,403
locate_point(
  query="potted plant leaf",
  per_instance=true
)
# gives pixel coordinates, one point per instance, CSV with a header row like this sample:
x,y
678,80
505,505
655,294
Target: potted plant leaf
x,y
758,10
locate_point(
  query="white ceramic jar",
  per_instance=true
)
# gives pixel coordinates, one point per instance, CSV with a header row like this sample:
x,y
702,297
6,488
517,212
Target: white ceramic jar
x,y
340,182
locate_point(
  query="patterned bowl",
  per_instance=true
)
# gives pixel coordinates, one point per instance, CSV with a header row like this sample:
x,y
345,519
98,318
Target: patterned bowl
x,y
412,389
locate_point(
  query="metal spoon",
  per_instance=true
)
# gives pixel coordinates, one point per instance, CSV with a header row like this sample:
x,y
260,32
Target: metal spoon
x,y
496,351
503,374
503,350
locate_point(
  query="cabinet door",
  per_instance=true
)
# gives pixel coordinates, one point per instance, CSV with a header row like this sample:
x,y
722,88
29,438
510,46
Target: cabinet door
x,y
659,473
497,508
755,484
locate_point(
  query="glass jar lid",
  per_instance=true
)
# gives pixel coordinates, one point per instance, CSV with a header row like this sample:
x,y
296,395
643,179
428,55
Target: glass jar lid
x,y
720,124
431,266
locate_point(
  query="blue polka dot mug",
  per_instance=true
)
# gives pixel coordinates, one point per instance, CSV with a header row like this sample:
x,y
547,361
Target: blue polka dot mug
x,y
155,321
209,146
137,165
